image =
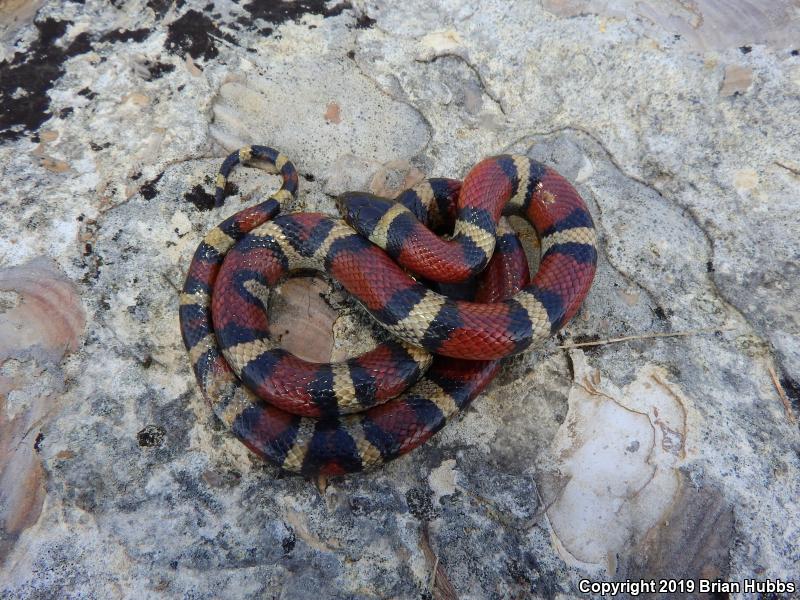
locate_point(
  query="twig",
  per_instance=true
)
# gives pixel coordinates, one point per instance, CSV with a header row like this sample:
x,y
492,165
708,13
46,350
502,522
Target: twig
x,y
647,336
438,585
432,579
791,170
321,481
787,407
171,283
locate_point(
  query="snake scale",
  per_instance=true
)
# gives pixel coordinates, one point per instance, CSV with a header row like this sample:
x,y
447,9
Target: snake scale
x,y
353,415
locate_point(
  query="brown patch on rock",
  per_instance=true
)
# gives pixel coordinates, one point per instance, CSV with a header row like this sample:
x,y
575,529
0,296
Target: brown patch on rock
x,y
333,113
49,313
136,99
15,14
21,483
691,542
42,323
394,177
54,165
300,319
737,80
48,135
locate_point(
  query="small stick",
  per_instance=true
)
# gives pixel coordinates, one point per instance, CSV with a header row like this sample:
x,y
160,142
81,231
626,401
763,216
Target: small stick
x,y
439,585
792,170
171,283
646,336
787,407
432,579
321,482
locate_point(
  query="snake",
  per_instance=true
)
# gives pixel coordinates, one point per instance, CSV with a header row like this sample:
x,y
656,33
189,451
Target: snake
x,y
336,418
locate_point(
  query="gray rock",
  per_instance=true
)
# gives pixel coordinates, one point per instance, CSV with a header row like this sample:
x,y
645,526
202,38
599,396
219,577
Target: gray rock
x,y
668,454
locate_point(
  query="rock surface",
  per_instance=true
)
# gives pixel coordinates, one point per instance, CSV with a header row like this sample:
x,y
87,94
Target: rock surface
x,y
651,457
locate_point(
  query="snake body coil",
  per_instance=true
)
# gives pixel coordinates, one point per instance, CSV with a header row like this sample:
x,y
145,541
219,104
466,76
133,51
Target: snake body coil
x,y
268,396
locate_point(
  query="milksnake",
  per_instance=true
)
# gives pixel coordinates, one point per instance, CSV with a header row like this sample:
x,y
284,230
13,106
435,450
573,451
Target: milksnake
x,y
342,417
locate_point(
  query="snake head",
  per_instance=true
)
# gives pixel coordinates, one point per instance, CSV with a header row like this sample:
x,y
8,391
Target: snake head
x,y
362,211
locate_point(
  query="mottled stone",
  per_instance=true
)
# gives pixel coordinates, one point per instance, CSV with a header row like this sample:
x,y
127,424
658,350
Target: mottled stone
x,y
669,453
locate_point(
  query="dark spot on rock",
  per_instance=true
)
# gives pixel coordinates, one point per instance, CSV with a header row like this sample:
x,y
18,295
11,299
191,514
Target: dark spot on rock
x,y
99,147
745,49
147,362
27,76
149,190
222,479
289,542
65,112
87,249
231,189
160,7
518,571
191,34
364,22
420,504
309,177
80,45
795,53
633,446
173,565
125,35
151,436
792,389
660,313
157,69
37,443
87,93
351,54
136,176
709,266
200,198
548,586
582,339
280,12
360,505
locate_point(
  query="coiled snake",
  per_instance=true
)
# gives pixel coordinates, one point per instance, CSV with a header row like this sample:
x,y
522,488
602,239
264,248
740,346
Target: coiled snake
x,y
349,416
